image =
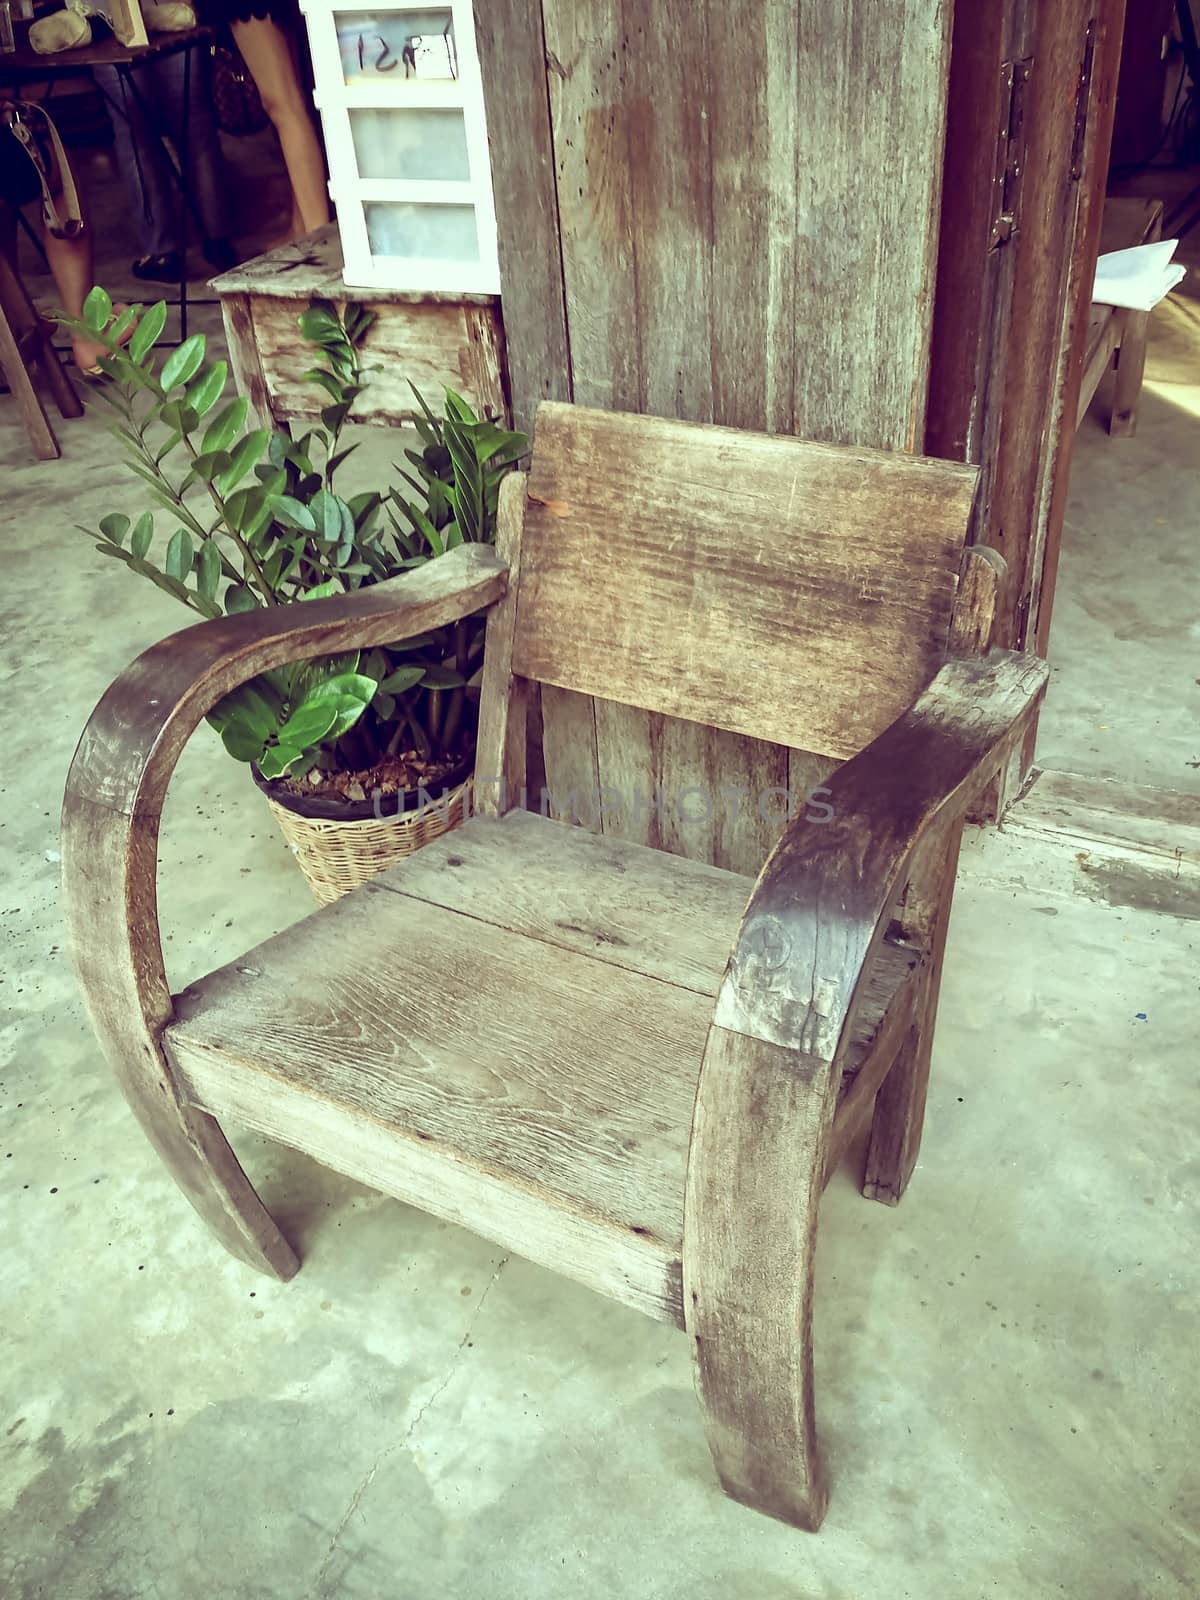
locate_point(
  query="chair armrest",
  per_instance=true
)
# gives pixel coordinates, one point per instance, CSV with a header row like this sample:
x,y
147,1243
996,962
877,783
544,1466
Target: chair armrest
x,y
821,902
118,779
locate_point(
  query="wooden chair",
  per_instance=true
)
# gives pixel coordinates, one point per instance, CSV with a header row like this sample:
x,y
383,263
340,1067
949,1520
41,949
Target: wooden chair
x,y
540,1032
26,351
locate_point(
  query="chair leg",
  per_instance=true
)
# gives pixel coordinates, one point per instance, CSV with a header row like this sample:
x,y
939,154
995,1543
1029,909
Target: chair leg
x,y
200,1159
755,1174
58,385
1131,365
33,415
924,914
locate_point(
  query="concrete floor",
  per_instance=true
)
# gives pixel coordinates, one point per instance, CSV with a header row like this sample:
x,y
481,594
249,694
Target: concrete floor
x,y
1125,639
1006,1363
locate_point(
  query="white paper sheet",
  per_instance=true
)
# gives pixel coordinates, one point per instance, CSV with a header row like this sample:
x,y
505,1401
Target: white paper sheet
x,y
1138,278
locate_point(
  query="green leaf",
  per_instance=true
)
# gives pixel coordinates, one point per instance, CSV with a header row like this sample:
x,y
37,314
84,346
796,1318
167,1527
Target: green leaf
x,y
458,408
148,331
226,425
442,677
207,389
403,678
319,326
183,363
322,591
248,511
427,528
208,570
97,309
294,515
179,555
244,457
273,763
329,709
326,380
124,322
326,510
310,723
143,532
114,526
240,597
251,714
209,463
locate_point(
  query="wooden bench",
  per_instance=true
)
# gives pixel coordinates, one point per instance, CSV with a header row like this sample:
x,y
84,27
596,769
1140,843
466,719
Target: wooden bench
x,y
1115,333
567,1057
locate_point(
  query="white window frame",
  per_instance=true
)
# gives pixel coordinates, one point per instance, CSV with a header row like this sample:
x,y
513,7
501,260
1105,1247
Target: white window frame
x,y
336,99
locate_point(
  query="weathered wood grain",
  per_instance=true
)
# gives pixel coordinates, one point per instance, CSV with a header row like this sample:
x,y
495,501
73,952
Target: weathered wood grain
x,y
620,903
814,585
981,584
661,916
311,269
569,1080
572,763
432,339
923,914
245,361
879,1026
718,178
111,811
732,248
512,55
756,1169
990,62
108,862
820,907
503,699
669,783
434,346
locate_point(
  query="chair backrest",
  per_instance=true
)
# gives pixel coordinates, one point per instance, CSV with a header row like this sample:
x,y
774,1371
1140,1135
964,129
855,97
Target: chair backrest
x,y
801,593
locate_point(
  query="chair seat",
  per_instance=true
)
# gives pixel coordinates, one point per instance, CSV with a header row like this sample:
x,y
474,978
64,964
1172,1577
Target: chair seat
x,y
506,1031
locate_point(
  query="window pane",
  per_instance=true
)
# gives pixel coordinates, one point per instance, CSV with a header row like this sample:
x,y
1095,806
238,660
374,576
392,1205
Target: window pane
x,y
397,46
429,233
421,143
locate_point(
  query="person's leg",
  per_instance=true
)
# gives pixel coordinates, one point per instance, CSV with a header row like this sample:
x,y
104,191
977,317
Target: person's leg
x,y
71,266
208,184
267,54
143,164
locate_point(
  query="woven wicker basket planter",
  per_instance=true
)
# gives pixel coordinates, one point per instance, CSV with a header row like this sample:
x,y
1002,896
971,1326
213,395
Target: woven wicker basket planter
x,y
336,855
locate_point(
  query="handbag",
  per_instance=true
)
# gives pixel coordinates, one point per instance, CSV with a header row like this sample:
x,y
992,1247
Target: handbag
x,y
236,100
32,128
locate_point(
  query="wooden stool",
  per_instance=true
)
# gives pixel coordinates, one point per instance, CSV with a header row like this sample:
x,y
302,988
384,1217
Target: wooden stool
x,y
1115,333
25,345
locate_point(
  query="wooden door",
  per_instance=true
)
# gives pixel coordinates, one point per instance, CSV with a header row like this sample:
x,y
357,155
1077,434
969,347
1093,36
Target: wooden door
x,y
1029,125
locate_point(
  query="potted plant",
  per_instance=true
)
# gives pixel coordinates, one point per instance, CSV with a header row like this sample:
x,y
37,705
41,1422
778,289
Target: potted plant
x,y
364,756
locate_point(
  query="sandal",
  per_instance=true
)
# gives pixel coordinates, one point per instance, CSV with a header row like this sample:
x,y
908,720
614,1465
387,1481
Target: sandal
x,y
158,269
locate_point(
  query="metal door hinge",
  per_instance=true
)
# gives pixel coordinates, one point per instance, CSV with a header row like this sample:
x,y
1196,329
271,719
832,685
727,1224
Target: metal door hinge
x,y
1010,152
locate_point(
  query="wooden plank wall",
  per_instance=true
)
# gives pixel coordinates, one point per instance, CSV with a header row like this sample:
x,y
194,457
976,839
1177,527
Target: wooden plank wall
x,y
746,195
